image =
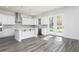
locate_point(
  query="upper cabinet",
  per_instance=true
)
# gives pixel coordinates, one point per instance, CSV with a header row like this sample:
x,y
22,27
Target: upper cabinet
x,y
27,21
35,21
11,20
44,20
7,19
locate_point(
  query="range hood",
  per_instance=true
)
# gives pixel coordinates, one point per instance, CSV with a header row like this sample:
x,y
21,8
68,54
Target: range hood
x,y
18,19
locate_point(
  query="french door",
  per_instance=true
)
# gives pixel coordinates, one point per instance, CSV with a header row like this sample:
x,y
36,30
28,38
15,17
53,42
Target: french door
x,y
56,25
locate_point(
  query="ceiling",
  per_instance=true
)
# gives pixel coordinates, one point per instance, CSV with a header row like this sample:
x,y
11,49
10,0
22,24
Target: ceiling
x,y
29,10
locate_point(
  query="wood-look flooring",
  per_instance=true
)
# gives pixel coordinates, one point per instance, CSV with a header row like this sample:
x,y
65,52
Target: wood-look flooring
x,y
39,44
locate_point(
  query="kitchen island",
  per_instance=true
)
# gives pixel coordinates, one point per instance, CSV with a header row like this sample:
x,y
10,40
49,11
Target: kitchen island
x,y
21,34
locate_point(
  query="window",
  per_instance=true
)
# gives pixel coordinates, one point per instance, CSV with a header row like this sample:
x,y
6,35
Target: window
x,y
51,24
59,23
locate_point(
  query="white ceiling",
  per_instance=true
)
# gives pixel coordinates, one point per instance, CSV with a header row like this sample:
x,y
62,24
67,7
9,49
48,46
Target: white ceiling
x,y
29,10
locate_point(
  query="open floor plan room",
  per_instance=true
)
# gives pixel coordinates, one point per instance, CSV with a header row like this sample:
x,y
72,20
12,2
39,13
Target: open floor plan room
x,y
39,29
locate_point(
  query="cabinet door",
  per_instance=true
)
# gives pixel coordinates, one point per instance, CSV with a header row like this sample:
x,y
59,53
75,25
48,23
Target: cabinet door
x,y
44,20
36,21
7,19
27,21
0,18
4,19
10,20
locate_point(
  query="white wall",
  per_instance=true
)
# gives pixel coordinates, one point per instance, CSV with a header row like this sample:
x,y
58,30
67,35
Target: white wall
x,y
71,20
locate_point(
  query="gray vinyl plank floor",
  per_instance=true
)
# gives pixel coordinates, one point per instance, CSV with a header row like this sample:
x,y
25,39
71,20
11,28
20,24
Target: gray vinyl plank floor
x,y
39,44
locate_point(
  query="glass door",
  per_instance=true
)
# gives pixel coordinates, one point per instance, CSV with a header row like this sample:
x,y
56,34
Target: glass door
x,y
59,25
56,25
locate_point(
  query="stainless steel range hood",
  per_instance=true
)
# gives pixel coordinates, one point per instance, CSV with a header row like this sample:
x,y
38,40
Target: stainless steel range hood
x,y
18,19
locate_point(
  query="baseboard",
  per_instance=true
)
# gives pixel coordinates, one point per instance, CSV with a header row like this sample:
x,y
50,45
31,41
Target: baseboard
x,y
71,37
65,36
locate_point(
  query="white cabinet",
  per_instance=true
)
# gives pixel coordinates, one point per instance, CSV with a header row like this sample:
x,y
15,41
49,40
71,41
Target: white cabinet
x,y
44,20
35,21
10,20
27,21
4,19
7,19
